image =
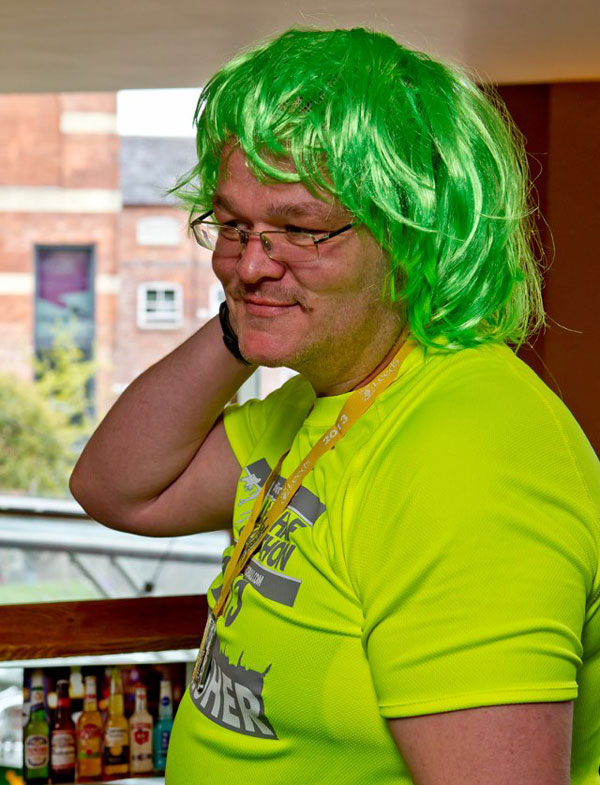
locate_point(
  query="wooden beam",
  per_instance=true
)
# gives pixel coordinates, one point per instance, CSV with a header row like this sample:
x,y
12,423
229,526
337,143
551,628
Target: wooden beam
x,y
63,629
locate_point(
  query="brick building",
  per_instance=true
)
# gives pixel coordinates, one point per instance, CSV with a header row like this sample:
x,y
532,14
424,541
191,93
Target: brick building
x,y
167,287
86,231
59,205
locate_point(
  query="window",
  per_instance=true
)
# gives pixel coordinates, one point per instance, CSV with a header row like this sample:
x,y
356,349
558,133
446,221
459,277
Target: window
x,y
64,320
64,292
160,306
158,230
216,296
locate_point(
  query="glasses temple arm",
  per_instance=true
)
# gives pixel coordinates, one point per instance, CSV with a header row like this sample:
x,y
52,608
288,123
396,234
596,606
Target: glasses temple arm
x,y
329,235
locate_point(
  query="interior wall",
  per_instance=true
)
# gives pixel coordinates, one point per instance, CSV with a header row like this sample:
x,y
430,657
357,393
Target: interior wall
x,y
560,123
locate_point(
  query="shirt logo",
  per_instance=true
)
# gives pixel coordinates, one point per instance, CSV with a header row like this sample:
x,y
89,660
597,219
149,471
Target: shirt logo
x,y
233,699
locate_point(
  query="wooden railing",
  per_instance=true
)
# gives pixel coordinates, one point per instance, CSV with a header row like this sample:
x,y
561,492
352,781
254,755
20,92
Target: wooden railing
x,y
63,629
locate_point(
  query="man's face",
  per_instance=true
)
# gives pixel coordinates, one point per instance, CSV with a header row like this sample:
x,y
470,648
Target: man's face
x,y
327,318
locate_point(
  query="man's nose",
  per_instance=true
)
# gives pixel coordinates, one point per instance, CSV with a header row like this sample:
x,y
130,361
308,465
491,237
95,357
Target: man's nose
x,y
254,263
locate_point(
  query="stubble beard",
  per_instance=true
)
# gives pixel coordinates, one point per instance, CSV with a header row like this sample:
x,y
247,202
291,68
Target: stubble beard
x,y
346,356
333,357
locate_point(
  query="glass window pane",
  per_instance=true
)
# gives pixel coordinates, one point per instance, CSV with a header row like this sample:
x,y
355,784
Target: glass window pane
x,y
64,289
53,559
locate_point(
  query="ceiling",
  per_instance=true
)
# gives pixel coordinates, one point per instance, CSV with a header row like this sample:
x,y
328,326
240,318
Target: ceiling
x,y
79,45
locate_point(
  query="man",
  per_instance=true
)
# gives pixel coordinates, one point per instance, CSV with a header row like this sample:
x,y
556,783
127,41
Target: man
x,y
415,600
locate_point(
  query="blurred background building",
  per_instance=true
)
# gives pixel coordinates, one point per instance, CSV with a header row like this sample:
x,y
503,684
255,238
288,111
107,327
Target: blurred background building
x,y
90,236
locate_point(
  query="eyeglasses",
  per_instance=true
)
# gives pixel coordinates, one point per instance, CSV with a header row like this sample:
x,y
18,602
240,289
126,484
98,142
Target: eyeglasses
x,y
281,245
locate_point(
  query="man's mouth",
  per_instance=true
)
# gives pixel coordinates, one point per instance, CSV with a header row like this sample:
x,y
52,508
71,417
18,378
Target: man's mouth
x,y
264,306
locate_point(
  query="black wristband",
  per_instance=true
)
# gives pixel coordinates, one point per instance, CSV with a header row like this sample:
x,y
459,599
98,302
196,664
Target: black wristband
x,y
229,337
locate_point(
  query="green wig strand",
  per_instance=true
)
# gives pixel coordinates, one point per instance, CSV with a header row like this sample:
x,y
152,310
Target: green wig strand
x,y
412,147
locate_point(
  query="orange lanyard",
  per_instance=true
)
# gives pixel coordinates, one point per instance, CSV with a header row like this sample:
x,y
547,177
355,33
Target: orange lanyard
x,y
259,524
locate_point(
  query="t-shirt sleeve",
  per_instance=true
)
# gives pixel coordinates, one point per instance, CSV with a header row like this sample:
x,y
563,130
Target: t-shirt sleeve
x,y
472,555
245,424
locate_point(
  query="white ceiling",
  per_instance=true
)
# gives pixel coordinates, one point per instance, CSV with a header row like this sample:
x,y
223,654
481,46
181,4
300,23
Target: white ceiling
x,y
81,45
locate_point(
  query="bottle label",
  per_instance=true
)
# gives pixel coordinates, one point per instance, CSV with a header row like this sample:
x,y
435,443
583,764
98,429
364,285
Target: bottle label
x,y
63,750
37,752
141,733
141,764
116,747
141,745
37,698
90,688
165,735
141,757
116,737
90,742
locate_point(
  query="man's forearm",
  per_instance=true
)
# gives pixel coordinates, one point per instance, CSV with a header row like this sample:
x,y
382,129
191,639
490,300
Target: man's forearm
x,y
155,428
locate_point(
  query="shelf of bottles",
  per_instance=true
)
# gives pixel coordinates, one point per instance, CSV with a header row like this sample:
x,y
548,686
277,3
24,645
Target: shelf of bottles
x,y
150,639
99,723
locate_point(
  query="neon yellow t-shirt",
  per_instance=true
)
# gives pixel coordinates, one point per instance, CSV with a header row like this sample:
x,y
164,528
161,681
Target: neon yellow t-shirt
x,y
443,556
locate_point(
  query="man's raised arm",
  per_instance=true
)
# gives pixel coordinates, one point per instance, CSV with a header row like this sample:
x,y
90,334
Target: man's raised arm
x,y
160,463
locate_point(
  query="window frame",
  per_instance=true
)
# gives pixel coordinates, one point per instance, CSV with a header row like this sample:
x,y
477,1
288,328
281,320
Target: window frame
x,y
143,314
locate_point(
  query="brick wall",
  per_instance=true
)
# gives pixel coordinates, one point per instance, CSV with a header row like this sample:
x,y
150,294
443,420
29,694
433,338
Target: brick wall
x,y
44,169
185,263
58,151
30,144
19,235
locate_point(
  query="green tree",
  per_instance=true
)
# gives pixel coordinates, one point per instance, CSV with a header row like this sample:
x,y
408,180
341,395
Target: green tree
x,y
44,424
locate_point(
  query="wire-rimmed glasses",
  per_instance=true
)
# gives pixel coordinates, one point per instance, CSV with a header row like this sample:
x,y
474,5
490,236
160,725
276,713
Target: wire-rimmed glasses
x,y
281,245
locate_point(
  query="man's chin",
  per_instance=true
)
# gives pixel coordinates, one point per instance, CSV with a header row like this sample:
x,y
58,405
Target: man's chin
x,y
268,357
265,360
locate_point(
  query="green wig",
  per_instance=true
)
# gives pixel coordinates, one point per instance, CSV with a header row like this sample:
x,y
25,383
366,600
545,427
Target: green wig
x,y
426,160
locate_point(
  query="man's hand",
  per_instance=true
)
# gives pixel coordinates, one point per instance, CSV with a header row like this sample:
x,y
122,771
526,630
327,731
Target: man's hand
x,y
520,744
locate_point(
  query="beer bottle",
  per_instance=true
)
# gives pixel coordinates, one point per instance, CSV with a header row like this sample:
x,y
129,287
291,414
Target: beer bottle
x,y
105,696
36,748
62,738
76,692
116,731
140,735
89,735
162,730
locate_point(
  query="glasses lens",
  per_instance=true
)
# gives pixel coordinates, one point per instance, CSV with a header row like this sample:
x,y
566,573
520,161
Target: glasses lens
x,y
223,239
205,235
292,247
